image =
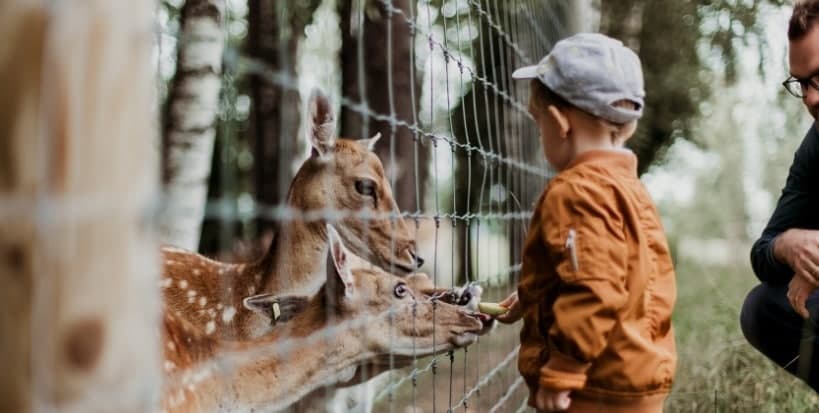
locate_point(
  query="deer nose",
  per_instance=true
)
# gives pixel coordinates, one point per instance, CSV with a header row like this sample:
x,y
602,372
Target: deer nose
x,y
418,260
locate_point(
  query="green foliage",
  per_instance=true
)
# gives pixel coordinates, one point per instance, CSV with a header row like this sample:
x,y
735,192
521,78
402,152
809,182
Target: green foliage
x,y
671,37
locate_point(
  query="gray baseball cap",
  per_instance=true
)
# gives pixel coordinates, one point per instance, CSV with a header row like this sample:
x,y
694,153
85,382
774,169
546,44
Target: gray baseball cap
x,y
592,71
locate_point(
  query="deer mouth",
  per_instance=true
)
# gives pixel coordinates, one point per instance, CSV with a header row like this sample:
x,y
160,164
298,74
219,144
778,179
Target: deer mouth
x,y
412,264
487,322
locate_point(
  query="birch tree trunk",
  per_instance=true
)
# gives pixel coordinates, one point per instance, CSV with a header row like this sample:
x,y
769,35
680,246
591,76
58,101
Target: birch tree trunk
x,y
188,131
79,303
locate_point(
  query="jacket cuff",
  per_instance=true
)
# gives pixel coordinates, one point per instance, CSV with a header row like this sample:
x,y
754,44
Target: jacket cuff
x,y
780,268
563,373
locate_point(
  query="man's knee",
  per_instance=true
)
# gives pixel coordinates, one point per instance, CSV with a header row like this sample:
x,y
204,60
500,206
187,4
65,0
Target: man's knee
x,y
750,315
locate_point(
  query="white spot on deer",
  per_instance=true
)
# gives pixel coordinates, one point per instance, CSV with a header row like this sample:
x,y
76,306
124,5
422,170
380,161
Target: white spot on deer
x,y
219,306
202,301
169,366
191,299
211,312
192,293
251,290
166,282
221,271
171,346
170,262
183,284
210,327
227,315
197,271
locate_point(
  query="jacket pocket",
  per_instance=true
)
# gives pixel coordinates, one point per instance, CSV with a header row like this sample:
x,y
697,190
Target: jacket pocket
x,y
571,249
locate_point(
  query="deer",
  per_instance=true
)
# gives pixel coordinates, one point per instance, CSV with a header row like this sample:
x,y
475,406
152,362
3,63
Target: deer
x,y
341,327
340,174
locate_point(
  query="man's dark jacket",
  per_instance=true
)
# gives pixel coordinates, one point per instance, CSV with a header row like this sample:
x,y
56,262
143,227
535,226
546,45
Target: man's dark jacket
x,y
798,207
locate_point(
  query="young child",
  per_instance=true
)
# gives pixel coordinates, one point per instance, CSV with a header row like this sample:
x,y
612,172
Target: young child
x,y
597,285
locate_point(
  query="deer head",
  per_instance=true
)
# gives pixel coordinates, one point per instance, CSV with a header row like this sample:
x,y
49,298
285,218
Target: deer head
x,y
354,290
346,175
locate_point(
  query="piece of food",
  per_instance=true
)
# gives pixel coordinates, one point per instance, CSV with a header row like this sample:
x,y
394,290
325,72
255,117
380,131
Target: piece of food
x,y
492,308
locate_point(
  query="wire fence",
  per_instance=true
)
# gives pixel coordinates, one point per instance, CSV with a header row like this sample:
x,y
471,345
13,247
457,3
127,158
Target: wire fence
x,y
467,151
474,162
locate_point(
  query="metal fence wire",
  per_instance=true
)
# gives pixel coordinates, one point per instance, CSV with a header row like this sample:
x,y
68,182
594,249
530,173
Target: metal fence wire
x,y
464,162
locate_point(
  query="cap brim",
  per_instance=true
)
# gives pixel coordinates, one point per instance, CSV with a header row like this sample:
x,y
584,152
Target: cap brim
x,y
528,72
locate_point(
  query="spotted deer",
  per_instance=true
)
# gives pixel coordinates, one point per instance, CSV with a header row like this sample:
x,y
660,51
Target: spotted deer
x,y
340,175
269,373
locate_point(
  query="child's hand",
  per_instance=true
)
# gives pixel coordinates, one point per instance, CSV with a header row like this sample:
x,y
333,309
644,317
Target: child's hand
x,y
552,401
514,313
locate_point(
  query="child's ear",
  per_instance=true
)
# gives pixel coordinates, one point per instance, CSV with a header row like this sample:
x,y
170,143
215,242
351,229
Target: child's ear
x,y
561,120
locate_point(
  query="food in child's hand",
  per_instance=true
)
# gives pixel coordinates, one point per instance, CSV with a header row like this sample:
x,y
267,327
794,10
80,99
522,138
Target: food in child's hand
x,y
493,309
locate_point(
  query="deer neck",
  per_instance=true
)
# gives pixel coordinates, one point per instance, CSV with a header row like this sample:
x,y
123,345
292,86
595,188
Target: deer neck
x,y
295,261
278,380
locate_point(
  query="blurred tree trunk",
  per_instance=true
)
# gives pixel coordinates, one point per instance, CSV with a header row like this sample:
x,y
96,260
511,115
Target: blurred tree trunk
x,y
188,125
274,31
370,80
79,306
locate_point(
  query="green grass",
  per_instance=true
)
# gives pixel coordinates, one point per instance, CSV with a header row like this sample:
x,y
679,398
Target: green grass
x,y
718,371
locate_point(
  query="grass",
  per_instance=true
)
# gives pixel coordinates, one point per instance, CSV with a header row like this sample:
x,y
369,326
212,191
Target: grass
x,y
718,371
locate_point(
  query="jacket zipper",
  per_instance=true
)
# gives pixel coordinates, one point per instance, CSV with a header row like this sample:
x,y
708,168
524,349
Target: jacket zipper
x,y
570,245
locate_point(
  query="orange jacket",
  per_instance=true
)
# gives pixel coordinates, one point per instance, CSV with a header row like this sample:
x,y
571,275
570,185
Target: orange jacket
x,y
597,286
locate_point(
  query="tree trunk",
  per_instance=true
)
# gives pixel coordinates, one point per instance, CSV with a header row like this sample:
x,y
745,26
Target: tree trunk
x,y
188,130
78,267
274,32
673,75
366,67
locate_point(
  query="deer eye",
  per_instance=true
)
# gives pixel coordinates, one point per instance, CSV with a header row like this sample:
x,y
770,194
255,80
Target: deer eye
x,y
400,290
365,187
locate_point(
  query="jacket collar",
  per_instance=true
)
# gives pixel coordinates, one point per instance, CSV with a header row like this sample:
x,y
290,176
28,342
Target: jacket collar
x,y
621,161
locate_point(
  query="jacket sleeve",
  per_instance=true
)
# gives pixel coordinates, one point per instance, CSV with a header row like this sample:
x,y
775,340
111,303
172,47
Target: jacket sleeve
x,y
591,254
797,208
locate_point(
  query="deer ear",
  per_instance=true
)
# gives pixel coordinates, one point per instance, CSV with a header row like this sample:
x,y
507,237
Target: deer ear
x,y
339,275
370,143
322,130
277,308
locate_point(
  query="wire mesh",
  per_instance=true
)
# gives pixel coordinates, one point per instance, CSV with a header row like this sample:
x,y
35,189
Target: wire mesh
x,y
471,137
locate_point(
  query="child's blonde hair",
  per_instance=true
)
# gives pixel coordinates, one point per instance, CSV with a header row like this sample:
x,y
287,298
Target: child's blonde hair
x,y
542,97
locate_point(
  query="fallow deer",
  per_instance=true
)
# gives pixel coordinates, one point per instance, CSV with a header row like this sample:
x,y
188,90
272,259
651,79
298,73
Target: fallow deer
x,y
340,175
362,305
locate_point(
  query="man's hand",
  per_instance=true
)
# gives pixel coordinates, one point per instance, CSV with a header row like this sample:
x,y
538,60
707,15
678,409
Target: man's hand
x,y
514,313
799,248
552,401
798,291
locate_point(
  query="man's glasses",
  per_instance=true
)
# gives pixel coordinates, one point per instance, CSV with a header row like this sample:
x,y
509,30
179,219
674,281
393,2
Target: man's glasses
x,y
799,87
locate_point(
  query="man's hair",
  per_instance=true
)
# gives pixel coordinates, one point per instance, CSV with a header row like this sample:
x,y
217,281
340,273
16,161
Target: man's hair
x,y
803,17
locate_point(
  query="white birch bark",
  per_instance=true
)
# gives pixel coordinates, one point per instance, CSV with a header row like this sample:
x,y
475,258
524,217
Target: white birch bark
x,y
79,305
189,130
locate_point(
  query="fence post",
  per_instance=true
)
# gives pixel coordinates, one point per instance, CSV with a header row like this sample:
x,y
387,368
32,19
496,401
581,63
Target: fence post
x,y
79,302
